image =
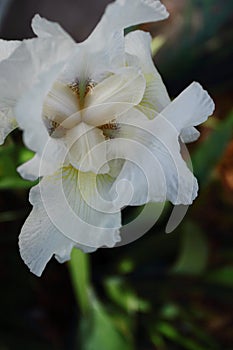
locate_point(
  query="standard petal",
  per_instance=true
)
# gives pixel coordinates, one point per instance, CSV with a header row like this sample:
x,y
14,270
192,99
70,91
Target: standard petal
x,y
114,96
25,66
87,148
80,206
154,167
40,239
47,29
45,59
155,98
125,13
192,107
7,47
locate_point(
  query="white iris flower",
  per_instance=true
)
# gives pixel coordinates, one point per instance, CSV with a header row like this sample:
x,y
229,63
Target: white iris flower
x,y
103,128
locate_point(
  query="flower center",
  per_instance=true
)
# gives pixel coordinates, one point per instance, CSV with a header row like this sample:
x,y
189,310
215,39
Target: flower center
x,y
82,89
64,106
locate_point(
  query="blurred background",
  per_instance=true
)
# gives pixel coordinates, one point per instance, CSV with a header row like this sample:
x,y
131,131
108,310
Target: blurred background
x,y
163,292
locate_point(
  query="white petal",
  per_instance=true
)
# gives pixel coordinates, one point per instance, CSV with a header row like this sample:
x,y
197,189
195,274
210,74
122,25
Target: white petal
x,y
45,60
30,169
7,47
80,206
189,134
155,167
192,107
7,124
46,29
60,103
88,63
87,149
125,13
155,99
26,65
40,239
114,96
38,167
7,120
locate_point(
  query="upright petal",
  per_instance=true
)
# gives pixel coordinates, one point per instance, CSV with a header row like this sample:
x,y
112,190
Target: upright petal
x,y
41,63
155,98
7,48
125,13
47,29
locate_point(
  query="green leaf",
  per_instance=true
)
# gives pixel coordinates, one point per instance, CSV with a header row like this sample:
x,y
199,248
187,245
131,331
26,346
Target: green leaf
x,y
98,331
209,152
194,251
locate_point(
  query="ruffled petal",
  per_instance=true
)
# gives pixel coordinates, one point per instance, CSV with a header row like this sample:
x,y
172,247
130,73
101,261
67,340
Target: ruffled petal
x,y
47,29
114,96
189,134
125,13
40,239
154,167
192,107
87,148
155,99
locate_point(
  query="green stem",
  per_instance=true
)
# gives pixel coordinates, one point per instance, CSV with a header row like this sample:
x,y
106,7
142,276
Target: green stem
x,y
79,267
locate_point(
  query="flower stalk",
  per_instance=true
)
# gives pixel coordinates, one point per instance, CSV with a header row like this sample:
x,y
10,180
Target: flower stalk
x,y
79,267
